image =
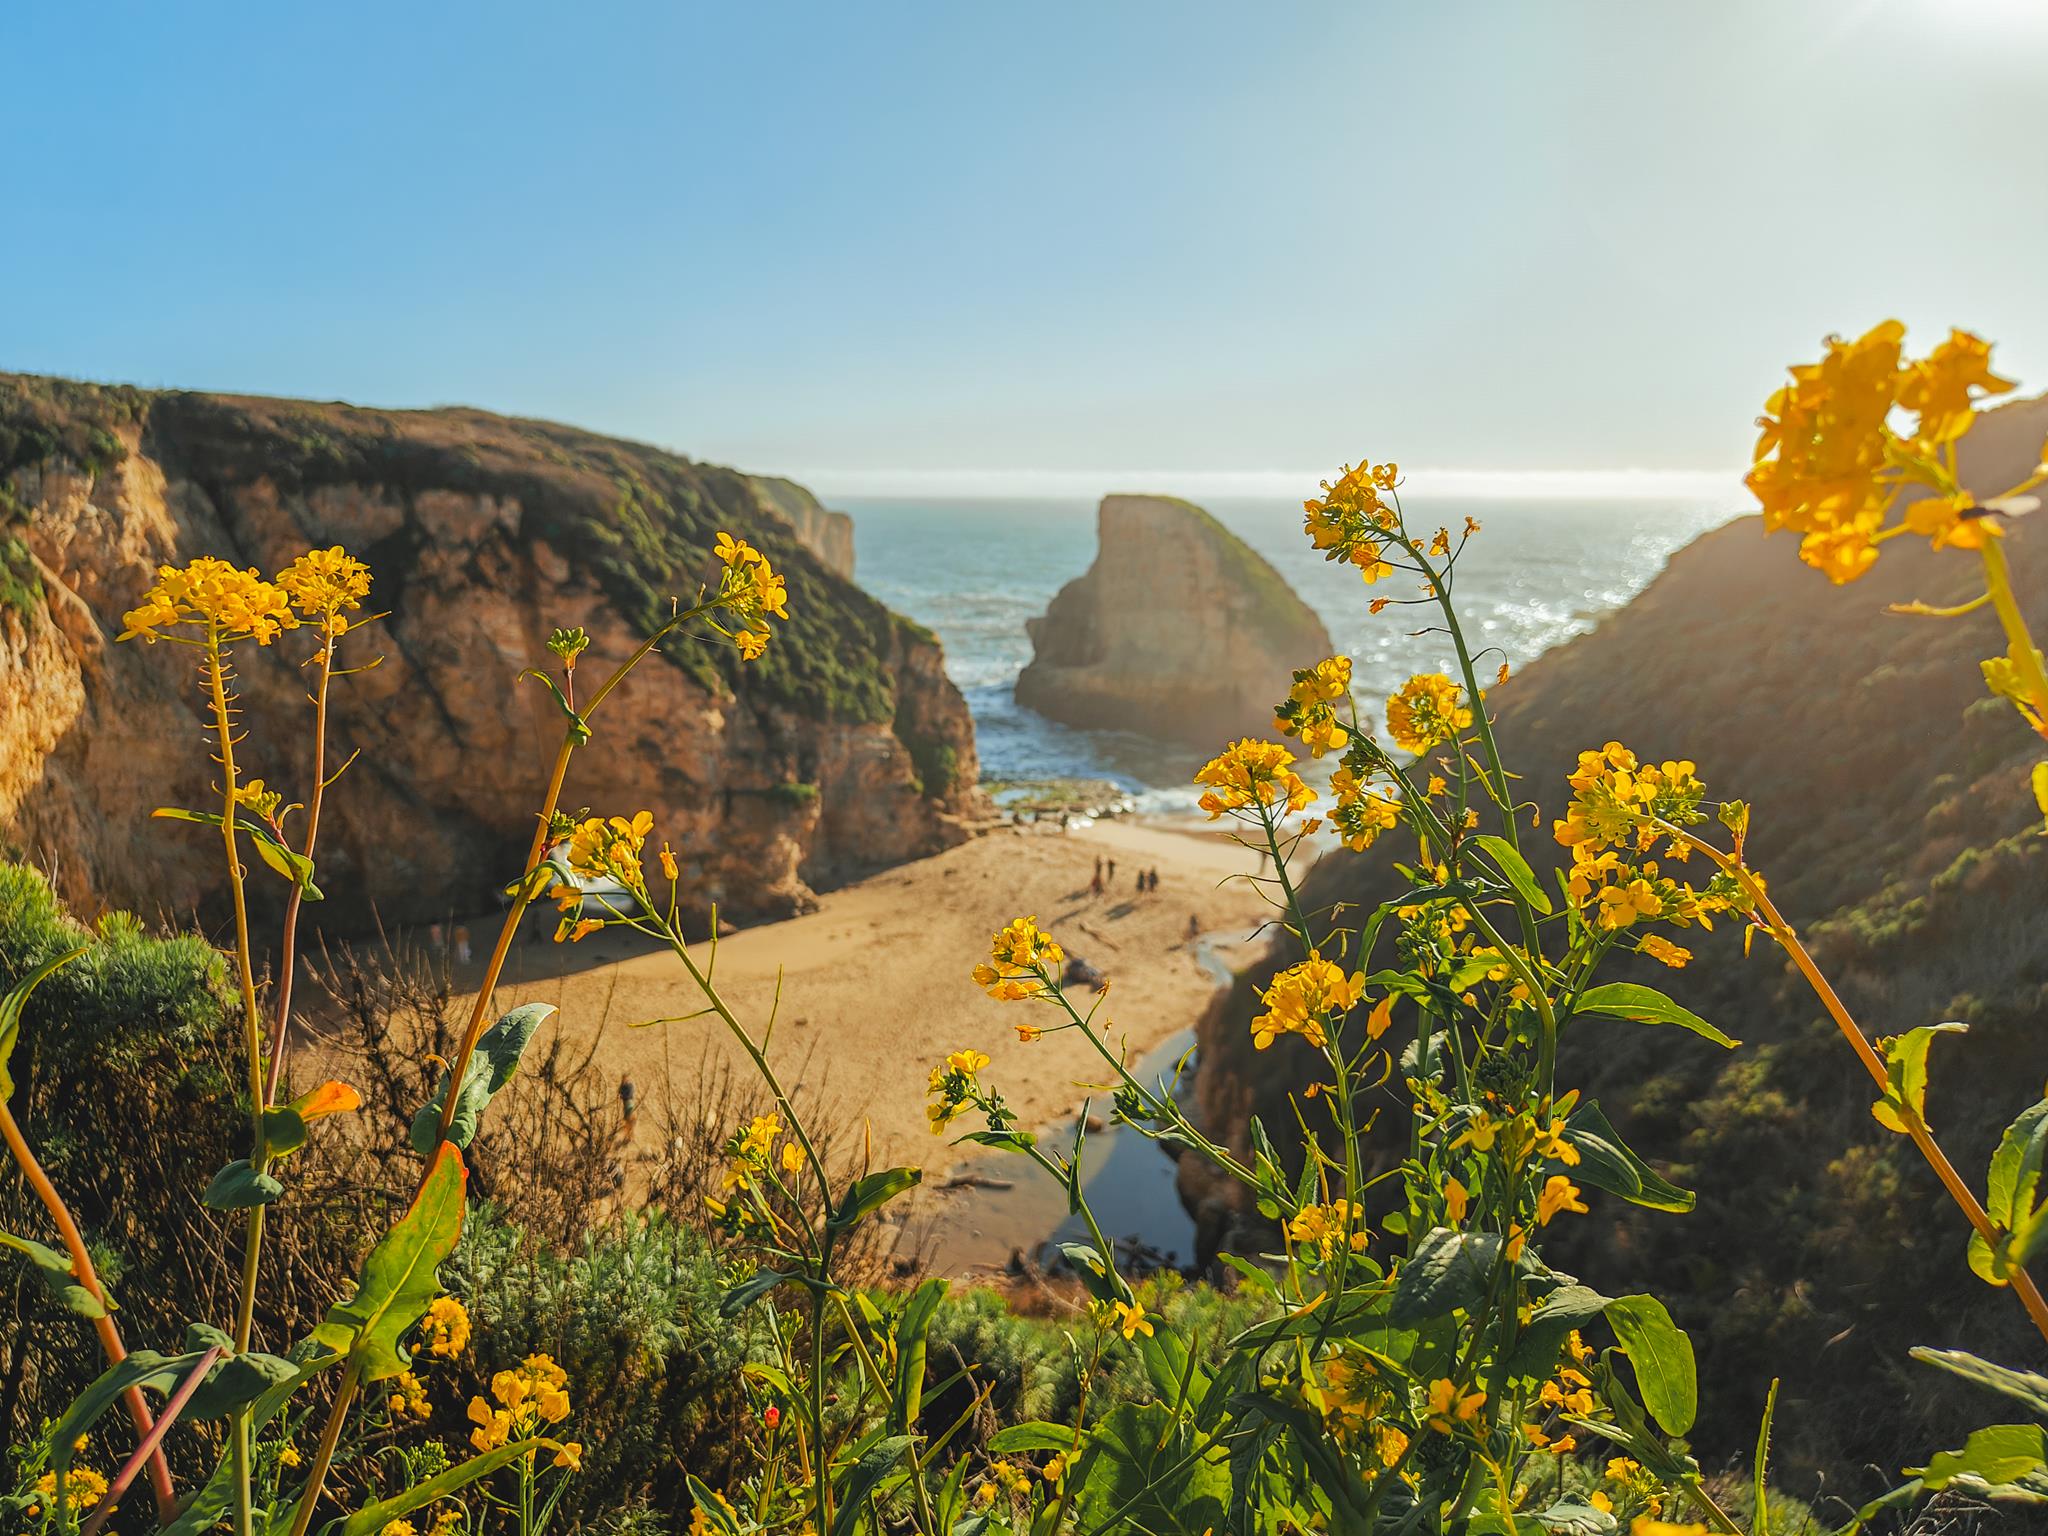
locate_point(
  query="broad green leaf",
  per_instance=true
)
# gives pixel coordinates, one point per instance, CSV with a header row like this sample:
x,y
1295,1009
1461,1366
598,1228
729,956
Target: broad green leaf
x,y
211,1504
491,1066
1542,1341
1662,1356
913,1326
1905,1070
2005,1461
1516,868
239,1186
1449,1270
2014,1180
1646,1005
1569,1518
400,1277
1143,1474
1357,1312
14,999
57,1274
1605,1162
875,1464
2025,1386
1093,1271
1008,1141
868,1195
374,1517
232,1384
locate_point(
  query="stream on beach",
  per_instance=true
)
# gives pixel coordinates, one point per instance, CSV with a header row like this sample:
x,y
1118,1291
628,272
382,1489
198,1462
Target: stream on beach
x,y
999,1204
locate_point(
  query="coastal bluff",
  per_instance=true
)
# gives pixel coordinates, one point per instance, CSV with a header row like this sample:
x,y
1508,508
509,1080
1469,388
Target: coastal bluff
x,y
845,748
1179,630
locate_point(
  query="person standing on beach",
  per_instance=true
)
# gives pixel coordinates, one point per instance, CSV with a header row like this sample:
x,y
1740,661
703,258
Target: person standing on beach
x,y
462,950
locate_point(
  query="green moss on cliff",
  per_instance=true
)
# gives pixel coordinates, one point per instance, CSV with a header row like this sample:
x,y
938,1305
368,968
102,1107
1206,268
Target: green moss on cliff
x,y
640,520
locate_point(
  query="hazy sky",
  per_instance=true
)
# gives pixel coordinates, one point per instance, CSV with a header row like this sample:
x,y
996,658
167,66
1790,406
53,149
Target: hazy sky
x,y
887,243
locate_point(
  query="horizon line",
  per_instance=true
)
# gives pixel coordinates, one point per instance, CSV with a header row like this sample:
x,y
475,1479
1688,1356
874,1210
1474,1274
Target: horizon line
x,y
1500,484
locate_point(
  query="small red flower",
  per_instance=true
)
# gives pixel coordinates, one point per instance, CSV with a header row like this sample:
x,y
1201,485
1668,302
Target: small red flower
x,y
772,1416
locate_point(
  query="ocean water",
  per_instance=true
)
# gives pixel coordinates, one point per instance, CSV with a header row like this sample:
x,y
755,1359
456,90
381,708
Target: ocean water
x,y
974,571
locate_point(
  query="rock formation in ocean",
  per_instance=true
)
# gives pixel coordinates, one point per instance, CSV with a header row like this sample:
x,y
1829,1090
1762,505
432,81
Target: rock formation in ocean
x,y
1179,630
1893,819
842,749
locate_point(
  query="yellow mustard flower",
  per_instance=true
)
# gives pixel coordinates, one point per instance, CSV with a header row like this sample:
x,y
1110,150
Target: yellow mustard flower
x,y
1255,776
1131,1320
952,1087
325,583
1363,812
83,1487
1429,710
444,1330
1024,961
1307,711
1559,1194
528,1397
1659,948
1303,999
1327,1228
214,597
1449,1408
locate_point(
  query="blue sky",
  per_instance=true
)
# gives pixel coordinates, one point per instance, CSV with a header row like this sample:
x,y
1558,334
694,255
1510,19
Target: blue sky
x,y
920,244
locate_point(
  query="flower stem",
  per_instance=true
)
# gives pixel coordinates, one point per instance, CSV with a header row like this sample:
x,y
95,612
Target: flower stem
x,y
323,1456
2026,657
1944,1170
288,955
82,1270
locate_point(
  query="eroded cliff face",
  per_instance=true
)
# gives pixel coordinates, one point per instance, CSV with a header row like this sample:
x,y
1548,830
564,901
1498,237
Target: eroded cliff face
x,y
1179,630
845,748
1893,819
828,534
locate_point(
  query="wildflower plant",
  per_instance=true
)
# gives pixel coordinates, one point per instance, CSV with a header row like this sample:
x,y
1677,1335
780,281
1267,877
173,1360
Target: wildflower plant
x,y
358,1362
1425,1369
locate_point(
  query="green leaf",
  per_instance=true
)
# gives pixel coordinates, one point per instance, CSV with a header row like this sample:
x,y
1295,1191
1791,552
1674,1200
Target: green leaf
x,y
492,1065
913,1326
1035,1435
374,1517
1449,1270
400,1277
56,1272
2025,1386
868,1195
239,1186
1142,1475
1605,1162
1517,870
143,1368
1093,1271
2009,1196
290,863
2005,1461
1567,1518
1662,1356
750,1290
1542,1341
1905,1070
1646,1005
234,1383
1760,1489
14,1000
876,1463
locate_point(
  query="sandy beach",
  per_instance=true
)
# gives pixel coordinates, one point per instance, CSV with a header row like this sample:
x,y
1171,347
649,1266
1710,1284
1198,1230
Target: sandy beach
x,y
875,986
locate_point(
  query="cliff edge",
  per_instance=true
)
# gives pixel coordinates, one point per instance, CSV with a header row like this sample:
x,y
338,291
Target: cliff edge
x,y
1179,630
844,748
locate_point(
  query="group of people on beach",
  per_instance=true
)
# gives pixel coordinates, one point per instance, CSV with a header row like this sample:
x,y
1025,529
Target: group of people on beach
x,y
1105,877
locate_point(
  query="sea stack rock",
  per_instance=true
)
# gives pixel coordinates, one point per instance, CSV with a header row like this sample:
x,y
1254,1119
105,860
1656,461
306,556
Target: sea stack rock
x,y
1179,630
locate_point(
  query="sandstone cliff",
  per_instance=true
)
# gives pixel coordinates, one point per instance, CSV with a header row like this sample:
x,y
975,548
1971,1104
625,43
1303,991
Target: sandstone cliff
x,y
1893,820
828,534
1178,630
844,748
